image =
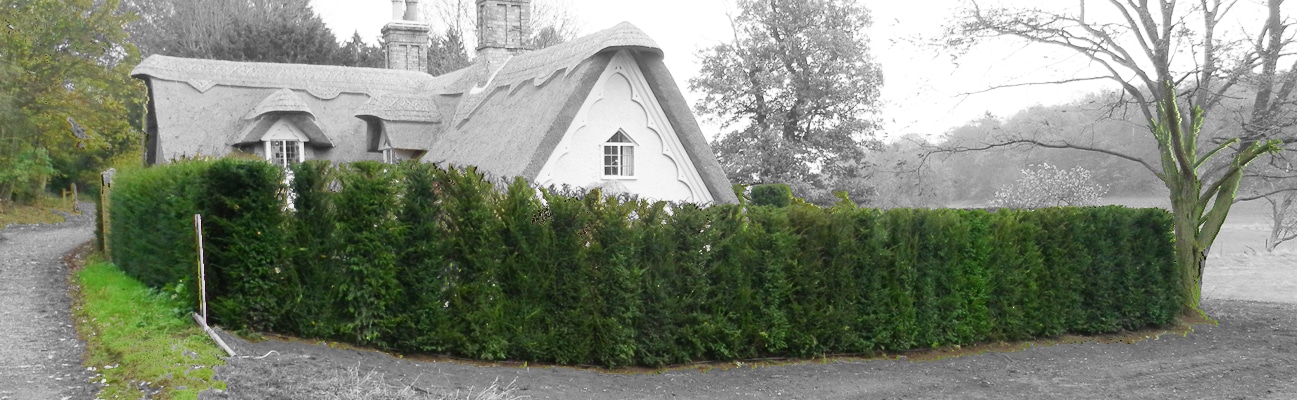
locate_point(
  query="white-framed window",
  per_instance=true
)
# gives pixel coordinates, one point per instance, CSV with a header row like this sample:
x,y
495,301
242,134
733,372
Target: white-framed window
x,y
389,156
284,152
619,156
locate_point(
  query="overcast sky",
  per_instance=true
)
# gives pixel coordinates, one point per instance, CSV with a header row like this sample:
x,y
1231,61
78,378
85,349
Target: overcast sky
x,y
922,87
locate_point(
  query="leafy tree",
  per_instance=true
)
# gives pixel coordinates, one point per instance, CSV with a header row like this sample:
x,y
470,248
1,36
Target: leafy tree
x,y
65,93
447,53
1136,51
1045,185
284,31
798,86
356,53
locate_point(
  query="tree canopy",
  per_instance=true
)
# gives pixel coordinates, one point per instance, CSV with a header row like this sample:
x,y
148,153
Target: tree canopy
x,y
66,100
284,31
797,90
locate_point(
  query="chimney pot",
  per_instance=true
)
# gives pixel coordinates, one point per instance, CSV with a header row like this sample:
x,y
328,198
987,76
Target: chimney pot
x,y
412,10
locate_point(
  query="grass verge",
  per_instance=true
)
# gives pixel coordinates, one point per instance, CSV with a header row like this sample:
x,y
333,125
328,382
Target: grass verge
x,y
38,212
140,342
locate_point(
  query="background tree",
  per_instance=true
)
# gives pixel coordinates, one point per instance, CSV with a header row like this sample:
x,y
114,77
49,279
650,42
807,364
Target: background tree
x,y
1136,51
552,22
797,87
1087,121
283,31
1274,183
1045,185
356,53
447,53
909,181
64,65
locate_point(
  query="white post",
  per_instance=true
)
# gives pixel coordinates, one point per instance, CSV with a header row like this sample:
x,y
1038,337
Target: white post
x,y
397,9
202,271
202,289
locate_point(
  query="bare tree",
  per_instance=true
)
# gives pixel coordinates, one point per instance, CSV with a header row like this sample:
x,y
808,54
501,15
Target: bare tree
x,y
552,21
1138,50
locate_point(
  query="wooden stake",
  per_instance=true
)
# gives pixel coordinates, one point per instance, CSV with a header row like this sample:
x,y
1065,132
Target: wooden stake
x,y
105,190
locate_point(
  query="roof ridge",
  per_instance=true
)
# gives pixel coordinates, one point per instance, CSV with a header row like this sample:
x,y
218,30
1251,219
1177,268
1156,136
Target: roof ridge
x,y
322,81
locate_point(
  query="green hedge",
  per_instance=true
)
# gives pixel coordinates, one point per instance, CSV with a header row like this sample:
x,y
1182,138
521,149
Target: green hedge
x,y
417,258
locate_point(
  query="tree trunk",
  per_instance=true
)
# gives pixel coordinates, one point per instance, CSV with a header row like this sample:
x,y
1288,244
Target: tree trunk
x,y
1187,251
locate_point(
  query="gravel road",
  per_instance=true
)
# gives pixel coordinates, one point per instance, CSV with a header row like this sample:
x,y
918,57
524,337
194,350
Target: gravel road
x,y
40,354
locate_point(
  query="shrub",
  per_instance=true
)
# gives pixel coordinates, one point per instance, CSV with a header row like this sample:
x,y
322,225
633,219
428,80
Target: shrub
x,y
249,273
1045,185
419,258
774,194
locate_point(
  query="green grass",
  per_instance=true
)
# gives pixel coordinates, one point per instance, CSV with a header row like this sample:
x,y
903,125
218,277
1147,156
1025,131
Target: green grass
x,y
135,334
38,212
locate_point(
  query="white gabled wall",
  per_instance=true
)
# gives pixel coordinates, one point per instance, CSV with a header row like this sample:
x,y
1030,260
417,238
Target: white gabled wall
x,y
622,100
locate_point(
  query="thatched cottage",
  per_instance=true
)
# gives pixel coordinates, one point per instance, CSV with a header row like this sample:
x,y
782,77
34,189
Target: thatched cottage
x,y
601,110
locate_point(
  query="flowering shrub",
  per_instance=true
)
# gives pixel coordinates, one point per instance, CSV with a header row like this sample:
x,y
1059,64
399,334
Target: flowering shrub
x,y
1045,185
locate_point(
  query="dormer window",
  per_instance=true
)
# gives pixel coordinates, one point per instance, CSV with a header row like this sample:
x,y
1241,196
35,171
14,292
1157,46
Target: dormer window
x,y
619,157
284,143
284,152
280,127
389,153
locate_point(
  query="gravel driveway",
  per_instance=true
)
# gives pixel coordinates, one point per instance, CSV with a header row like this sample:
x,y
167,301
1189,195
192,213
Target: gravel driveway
x,y
40,355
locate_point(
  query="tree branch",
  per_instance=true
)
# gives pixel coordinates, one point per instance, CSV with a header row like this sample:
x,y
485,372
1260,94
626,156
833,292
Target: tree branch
x,y
1058,82
1264,195
1057,145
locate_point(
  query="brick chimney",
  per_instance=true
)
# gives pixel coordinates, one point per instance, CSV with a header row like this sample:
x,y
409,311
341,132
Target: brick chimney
x,y
503,27
406,38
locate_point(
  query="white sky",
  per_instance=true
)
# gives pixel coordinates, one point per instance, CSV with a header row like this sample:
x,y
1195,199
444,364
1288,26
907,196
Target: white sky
x,y
922,87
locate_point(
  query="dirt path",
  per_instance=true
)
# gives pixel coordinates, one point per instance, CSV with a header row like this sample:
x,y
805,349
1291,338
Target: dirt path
x,y
40,355
1251,354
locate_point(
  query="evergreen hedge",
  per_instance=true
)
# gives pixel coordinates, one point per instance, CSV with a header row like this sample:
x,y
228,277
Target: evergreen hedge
x,y
417,258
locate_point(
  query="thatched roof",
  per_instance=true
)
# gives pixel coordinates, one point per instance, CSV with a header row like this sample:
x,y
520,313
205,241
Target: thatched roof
x,y
322,81
542,65
314,133
418,107
283,100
